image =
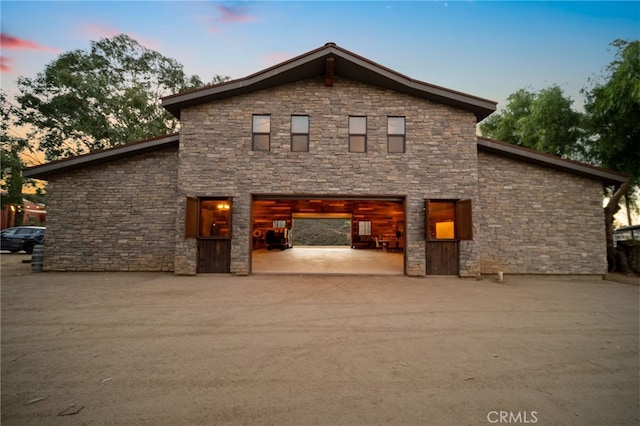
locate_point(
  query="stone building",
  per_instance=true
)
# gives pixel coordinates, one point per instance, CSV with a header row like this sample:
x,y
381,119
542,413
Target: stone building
x,y
326,134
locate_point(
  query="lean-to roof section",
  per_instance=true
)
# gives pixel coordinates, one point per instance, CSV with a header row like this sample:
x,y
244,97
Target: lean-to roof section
x,y
607,176
98,157
344,64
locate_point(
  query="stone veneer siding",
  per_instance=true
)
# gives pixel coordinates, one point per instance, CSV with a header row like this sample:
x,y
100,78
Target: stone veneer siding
x,y
535,220
118,216
216,159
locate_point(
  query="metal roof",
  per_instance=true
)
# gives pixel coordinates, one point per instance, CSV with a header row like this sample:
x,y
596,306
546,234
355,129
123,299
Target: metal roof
x,y
627,228
46,170
551,161
345,64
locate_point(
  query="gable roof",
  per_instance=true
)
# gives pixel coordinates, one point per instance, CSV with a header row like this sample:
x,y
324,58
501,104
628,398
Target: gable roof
x,y
528,155
46,170
344,64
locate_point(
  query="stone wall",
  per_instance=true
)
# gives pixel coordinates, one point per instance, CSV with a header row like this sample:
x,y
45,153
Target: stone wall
x,y
216,158
118,216
535,220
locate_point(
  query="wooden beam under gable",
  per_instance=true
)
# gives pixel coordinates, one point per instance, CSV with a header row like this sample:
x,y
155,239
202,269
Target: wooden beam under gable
x,y
329,71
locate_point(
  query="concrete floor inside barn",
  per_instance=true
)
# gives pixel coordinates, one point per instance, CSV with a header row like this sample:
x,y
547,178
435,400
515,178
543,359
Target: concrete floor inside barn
x,y
327,260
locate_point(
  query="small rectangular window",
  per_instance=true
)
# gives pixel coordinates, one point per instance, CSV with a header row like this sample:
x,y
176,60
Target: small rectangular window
x,y
299,133
364,227
261,133
208,217
441,216
279,223
396,134
449,220
215,217
357,134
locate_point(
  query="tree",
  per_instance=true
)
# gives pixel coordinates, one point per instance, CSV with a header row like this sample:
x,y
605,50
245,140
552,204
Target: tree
x,y
552,125
10,159
106,96
544,121
607,135
613,111
505,125
613,108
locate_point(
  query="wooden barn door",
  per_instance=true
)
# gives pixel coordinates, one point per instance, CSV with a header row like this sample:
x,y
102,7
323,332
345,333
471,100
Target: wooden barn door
x,y
208,220
214,256
442,258
447,222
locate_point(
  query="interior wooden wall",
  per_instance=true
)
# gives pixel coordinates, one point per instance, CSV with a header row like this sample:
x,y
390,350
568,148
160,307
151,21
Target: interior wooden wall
x,y
387,217
210,212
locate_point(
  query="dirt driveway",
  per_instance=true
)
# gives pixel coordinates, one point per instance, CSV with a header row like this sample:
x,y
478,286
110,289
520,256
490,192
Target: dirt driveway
x,y
156,349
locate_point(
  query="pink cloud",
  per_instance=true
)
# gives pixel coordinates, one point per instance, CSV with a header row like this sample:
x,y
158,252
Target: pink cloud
x,y
233,14
10,42
229,15
5,64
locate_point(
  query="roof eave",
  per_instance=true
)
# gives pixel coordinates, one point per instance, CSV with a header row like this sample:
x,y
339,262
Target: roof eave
x,y
47,170
350,66
606,176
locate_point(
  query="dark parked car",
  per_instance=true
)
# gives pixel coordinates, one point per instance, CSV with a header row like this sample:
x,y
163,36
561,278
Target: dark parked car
x,y
22,238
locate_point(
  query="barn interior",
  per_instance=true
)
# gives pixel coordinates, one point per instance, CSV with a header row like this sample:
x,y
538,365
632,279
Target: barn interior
x,y
373,240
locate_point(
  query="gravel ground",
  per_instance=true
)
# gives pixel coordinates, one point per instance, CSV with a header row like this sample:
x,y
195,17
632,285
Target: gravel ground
x,y
159,349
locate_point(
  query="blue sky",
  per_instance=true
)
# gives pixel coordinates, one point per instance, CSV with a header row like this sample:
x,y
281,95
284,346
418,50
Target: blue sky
x,y
487,49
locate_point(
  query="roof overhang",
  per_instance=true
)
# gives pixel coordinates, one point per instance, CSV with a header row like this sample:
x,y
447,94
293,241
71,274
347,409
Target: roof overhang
x,y
121,151
606,176
345,64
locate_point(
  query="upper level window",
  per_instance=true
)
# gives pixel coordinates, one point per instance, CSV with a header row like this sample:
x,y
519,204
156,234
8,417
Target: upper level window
x,y
299,133
357,134
395,134
261,133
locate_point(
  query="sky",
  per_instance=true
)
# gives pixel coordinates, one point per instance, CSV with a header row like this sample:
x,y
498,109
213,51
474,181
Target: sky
x,y
488,49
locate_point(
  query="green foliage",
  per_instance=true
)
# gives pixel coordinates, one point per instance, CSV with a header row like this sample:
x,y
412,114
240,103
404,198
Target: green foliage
x,y
106,96
11,180
607,135
40,196
505,125
544,121
613,109
322,232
